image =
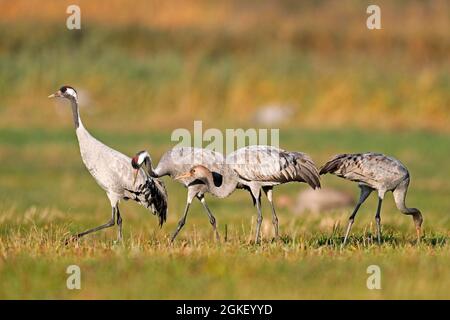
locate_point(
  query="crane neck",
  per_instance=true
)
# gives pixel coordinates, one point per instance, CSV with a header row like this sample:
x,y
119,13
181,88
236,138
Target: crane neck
x,y
76,113
404,209
228,185
148,168
400,202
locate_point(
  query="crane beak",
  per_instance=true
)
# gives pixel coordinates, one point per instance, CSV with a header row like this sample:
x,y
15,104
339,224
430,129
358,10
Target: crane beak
x,y
136,171
183,176
55,95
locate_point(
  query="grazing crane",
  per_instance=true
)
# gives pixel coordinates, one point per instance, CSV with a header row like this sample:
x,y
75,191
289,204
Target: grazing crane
x,y
179,160
374,172
260,167
111,169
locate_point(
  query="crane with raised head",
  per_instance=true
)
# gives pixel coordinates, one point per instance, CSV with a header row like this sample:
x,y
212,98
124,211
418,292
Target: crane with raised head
x,y
111,170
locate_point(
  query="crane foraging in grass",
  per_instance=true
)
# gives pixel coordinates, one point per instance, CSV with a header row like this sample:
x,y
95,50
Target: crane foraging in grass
x,y
111,169
257,168
374,172
179,160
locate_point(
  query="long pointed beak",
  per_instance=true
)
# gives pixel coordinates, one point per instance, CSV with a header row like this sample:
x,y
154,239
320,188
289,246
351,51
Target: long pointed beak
x,y
183,176
136,171
55,95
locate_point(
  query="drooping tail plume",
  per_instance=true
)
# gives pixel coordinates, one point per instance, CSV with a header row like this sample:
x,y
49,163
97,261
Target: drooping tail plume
x,y
334,164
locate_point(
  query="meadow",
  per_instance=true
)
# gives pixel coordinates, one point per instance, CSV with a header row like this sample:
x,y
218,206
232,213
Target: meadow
x,y
51,195
147,69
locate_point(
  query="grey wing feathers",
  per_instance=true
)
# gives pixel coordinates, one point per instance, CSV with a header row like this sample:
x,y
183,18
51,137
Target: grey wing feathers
x,y
348,166
182,159
334,164
270,164
303,167
369,168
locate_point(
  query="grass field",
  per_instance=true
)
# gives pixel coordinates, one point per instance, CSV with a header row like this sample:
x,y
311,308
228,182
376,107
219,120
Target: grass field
x,y
51,195
146,69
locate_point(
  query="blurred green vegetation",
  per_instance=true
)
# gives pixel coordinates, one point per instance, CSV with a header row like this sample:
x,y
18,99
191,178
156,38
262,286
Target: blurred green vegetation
x,y
316,56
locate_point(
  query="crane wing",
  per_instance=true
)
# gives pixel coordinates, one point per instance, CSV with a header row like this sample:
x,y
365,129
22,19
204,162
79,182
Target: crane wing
x,y
368,168
270,164
152,194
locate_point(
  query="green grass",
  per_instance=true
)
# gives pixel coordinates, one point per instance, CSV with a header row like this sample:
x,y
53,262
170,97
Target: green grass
x,y
46,194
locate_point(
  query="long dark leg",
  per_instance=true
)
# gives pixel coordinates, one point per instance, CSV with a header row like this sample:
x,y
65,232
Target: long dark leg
x,y
182,221
378,220
365,192
259,219
119,224
269,194
103,226
212,219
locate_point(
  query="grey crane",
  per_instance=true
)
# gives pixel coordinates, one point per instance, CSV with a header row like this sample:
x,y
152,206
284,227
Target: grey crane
x,y
111,169
179,160
374,172
257,168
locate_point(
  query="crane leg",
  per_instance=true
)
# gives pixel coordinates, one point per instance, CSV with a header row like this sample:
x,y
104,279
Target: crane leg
x,y
378,220
212,219
258,220
119,224
182,221
269,194
110,223
365,192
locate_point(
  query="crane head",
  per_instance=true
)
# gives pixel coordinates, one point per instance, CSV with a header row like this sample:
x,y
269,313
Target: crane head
x,y
197,172
65,92
138,161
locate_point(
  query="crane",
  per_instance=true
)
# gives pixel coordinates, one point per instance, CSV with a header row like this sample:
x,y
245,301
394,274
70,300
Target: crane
x,y
179,160
374,172
256,168
111,170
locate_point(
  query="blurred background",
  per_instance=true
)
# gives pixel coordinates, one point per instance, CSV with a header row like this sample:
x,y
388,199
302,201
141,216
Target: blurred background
x,y
161,64
145,68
